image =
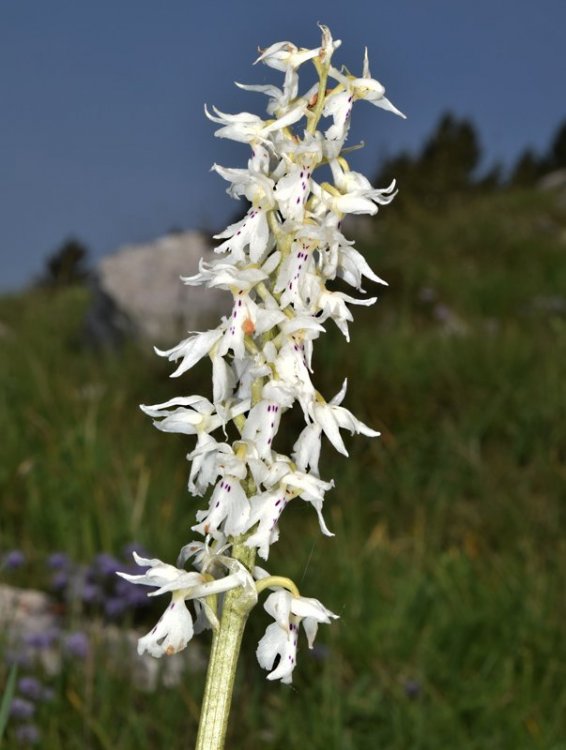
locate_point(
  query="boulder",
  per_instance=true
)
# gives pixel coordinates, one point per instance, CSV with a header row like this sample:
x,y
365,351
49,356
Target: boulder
x,y
138,291
555,180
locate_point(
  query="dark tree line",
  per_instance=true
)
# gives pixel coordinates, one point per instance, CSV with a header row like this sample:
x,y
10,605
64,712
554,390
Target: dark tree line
x,y
448,164
530,167
67,265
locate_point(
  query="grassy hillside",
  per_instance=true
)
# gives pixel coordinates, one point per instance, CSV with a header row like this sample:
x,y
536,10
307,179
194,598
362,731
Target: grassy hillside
x,y
446,565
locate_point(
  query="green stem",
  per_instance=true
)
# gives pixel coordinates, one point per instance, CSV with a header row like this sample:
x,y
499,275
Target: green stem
x,y
223,661
322,70
280,581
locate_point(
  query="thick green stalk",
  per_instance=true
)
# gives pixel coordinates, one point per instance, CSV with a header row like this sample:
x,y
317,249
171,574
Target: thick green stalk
x,y
224,660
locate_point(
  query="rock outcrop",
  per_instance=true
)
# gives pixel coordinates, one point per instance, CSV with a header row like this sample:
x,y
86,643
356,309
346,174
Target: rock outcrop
x,y
138,292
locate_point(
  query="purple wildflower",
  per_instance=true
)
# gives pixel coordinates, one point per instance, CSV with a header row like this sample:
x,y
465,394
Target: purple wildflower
x,y
21,658
58,560
91,593
60,580
30,687
42,639
47,695
114,606
13,559
412,689
27,734
77,644
20,708
106,564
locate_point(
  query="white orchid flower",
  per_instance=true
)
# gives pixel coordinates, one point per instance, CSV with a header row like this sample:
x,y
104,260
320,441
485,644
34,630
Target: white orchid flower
x,y
332,417
205,463
336,255
265,511
255,186
264,418
286,57
281,637
228,510
333,305
191,350
248,128
175,627
339,107
190,415
251,232
366,87
360,198
291,481
278,99
306,451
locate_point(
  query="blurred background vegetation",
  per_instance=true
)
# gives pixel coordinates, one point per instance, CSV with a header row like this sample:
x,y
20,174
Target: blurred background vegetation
x,y
447,565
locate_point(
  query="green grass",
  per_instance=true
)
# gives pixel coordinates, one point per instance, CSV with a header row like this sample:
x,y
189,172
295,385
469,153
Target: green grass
x,y
447,564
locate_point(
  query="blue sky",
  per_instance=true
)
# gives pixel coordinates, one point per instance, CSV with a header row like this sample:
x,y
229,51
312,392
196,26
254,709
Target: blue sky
x,y
102,130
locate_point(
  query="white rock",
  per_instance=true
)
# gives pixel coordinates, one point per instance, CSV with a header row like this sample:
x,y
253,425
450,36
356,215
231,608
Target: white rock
x,y
144,282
